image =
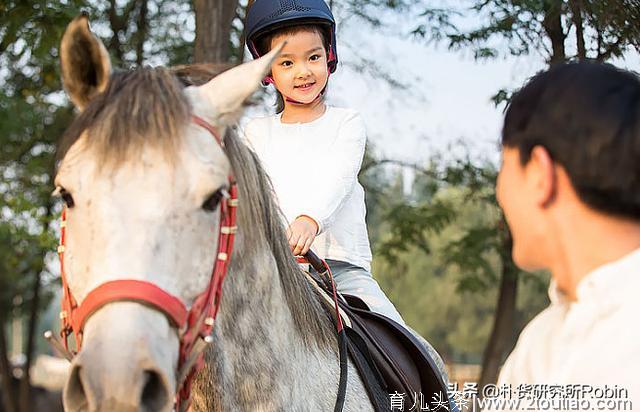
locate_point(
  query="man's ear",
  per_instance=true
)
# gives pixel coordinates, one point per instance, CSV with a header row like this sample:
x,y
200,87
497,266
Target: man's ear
x,y
542,170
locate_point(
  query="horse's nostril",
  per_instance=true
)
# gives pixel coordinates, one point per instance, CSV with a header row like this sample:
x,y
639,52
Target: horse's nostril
x,y
155,394
149,393
75,398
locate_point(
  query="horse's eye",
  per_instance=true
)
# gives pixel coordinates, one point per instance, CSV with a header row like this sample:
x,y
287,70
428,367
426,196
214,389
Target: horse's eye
x,y
66,196
212,202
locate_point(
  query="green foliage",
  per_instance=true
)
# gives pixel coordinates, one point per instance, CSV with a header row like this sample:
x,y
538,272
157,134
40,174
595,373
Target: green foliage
x,y
412,220
30,123
521,27
615,26
411,226
438,253
435,24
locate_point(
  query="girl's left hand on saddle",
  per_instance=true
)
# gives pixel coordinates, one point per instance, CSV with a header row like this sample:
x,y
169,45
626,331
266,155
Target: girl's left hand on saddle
x,y
301,233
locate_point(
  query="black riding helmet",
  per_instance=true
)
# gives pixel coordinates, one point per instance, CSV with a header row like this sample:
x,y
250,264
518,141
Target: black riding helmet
x,y
268,15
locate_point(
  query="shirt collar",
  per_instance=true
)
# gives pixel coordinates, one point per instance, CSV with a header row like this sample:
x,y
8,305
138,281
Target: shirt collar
x,y
608,282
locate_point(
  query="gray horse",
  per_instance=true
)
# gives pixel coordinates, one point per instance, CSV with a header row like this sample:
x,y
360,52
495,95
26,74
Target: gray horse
x,y
135,173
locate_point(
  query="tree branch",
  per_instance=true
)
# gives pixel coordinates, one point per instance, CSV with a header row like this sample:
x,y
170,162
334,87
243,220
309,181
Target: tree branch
x,y
415,167
126,13
615,47
116,27
552,24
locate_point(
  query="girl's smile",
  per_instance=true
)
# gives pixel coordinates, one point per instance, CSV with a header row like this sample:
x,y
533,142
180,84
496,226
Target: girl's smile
x,y
305,86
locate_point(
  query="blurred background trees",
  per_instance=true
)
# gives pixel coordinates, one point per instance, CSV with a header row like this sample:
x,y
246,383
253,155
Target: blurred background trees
x,y
556,30
441,246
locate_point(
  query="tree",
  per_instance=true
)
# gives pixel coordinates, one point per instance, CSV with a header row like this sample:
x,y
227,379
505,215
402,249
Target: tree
x,y
213,28
557,30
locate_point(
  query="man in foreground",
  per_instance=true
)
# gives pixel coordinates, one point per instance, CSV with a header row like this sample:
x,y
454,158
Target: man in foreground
x,y
569,186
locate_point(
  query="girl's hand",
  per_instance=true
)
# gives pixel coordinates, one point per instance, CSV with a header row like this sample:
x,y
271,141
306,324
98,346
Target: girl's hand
x,y
301,234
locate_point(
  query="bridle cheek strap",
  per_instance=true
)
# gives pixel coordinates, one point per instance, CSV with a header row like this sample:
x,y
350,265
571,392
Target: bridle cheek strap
x,y
193,325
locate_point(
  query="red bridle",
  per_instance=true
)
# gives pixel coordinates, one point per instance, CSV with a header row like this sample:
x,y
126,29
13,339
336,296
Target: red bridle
x,y
194,325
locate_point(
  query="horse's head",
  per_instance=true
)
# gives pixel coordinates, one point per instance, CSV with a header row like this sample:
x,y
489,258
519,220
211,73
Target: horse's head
x,y
142,185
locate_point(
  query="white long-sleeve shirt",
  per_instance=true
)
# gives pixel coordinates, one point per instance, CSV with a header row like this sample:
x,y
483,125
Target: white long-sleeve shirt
x,y
314,170
593,341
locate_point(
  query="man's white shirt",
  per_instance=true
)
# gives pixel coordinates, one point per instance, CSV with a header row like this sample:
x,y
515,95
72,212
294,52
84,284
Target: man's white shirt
x,y
594,340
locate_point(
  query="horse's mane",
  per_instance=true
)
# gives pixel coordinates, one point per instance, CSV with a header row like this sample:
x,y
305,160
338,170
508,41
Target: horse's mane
x,y
147,106
137,108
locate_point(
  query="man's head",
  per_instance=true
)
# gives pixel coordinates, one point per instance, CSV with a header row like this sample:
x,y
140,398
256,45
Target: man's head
x,y
571,141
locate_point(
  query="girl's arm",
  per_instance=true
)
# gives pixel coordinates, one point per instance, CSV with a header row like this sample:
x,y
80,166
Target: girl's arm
x,y
334,177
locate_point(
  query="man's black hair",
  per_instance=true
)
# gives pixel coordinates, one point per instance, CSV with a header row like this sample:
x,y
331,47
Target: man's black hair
x,y
587,116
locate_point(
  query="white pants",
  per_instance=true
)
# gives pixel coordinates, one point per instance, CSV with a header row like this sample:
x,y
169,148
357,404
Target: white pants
x,y
354,280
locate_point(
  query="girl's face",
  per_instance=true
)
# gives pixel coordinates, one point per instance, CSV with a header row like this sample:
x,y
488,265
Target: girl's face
x,y
300,72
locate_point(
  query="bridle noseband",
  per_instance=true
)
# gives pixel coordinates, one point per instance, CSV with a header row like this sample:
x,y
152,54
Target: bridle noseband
x,y
193,325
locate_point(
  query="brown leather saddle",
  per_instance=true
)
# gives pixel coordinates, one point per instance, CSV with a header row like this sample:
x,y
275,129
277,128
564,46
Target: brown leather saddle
x,y
390,359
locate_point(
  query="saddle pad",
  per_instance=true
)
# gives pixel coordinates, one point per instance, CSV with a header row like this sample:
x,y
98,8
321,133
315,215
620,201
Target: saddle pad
x,y
389,358
403,362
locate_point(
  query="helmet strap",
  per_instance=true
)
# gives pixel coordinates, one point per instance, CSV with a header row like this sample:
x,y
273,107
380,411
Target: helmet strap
x,y
267,81
290,100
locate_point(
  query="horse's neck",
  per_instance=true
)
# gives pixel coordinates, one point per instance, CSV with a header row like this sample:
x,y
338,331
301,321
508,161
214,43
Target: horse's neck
x,y
258,361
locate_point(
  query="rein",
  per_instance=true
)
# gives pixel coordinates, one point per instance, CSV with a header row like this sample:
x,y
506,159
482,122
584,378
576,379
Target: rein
x,y
193,325
326,277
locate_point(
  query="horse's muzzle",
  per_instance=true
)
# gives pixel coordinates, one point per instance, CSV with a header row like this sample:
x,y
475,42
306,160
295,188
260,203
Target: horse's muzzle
x,y
111,375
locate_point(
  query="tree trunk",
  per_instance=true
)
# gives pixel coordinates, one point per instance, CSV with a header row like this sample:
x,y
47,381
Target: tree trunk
x,y
141,32
8,399
576,16
504,313
34,310
213,25
243,37
25,384
552,24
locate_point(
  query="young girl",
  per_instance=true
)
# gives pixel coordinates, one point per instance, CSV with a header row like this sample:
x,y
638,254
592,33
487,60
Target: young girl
x,y
311,151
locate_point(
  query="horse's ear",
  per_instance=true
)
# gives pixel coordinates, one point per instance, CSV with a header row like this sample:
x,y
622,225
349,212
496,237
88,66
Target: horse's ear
x,y
229,90
85,63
